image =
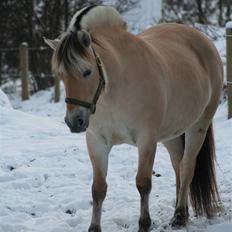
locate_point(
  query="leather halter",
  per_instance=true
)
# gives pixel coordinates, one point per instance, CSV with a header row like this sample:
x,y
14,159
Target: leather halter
x,y
101,85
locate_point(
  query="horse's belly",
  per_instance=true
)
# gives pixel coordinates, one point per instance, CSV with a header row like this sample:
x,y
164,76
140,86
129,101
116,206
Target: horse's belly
x,y
176,125
171,134
186,103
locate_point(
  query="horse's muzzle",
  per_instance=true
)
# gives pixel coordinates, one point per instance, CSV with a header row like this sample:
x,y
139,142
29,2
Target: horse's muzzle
x,y
77,125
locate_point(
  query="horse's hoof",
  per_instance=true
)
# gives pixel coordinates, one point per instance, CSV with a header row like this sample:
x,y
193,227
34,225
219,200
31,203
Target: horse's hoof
x,y
180,219
144,224
177,223
94,228
144,230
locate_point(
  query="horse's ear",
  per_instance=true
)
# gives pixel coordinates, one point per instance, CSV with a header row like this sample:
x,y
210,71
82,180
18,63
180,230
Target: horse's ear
x,y
52,43
84,38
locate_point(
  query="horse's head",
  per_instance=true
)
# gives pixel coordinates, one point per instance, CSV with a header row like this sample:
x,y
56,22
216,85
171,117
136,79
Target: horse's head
x,y
76,63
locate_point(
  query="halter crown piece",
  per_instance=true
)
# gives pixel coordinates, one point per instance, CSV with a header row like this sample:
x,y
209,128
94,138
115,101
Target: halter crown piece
x,y
101,85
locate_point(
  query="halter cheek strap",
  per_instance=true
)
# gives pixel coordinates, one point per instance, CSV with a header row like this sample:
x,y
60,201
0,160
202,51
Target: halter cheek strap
x,y
101,85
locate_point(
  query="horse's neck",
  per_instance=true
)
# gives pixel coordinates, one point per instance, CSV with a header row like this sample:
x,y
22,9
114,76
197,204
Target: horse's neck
x,y
119,40
119,49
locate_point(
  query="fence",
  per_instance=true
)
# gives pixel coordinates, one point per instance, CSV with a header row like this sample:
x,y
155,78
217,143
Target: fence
x,y
229,66
30,65
27,61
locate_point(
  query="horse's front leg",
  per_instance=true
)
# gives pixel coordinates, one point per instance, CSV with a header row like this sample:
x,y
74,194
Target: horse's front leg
x,y
144,184
98,152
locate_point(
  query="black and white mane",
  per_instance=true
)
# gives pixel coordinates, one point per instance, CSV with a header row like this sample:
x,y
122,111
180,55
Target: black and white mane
x,y
89,18
71,50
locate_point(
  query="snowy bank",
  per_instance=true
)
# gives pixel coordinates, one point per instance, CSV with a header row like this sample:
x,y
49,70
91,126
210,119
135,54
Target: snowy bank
x,y
4,101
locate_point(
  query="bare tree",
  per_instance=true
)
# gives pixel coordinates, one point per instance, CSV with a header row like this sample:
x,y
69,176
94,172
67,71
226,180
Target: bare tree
x,y
228,10
199,11
220,15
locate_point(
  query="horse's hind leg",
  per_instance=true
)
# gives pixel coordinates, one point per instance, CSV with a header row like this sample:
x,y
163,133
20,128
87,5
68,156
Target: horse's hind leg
x,y
194,139
144,184
175,148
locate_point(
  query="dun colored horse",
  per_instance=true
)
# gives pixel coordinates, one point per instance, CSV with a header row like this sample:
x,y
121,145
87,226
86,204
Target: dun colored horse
x,y
160,86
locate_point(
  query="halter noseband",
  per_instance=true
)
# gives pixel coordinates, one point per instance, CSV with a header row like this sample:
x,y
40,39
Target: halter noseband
x,y
101,85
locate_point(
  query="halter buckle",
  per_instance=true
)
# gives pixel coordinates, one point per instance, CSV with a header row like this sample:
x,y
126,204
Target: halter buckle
x,y
98,60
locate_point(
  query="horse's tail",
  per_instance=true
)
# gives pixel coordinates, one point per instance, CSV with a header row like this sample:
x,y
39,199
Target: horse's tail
x,y
203,189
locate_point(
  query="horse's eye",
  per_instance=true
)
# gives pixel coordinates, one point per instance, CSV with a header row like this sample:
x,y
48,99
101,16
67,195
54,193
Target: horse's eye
x,y
87,73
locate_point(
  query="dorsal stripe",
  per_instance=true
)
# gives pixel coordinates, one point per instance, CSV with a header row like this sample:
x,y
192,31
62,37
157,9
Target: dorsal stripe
x,y
80,16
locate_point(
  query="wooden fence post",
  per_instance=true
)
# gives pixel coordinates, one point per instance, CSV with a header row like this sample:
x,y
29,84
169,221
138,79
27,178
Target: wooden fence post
x,y
23,53
229,66
57,89
0,67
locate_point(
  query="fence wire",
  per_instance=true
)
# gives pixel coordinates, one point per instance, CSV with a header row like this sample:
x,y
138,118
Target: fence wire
x,y
40,75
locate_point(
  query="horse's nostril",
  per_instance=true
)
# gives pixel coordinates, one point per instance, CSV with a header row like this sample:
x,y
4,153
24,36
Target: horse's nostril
x,y
80,122
87,73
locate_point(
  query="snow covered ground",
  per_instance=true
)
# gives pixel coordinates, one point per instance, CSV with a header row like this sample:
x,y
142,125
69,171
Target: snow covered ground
x,y
46,175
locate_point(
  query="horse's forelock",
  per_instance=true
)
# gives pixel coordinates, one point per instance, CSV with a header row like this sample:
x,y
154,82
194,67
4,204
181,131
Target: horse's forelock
x,y
68,52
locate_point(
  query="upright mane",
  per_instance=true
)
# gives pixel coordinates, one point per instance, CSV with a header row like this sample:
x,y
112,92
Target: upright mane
x,y
90,18
87,20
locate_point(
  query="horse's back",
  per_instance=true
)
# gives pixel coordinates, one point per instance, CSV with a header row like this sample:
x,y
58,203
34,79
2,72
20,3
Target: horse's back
x,y
193,73
176,42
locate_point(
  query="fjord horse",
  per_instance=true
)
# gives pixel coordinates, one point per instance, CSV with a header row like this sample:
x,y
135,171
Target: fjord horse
x,y
160,86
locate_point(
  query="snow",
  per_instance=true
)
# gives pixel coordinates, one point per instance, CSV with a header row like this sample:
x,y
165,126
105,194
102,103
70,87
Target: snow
x,y
46,175
145,14
229,24
220,228
4,101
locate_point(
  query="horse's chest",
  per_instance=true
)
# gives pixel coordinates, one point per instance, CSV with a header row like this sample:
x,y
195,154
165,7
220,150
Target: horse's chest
x,y
115,131
123,135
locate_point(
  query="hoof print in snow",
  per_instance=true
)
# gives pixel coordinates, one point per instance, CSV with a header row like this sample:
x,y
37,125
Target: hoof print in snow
x,y
11,168
156,174
70,211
